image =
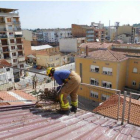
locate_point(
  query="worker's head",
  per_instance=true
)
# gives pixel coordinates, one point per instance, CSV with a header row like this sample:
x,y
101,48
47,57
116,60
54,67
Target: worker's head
x,y
50,71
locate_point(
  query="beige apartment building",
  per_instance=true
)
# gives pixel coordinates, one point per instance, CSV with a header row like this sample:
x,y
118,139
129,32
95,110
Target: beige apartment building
x,y
109,66
11,45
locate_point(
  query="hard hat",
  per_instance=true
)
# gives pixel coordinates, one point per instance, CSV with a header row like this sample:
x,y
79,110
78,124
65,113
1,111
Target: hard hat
x,y
50,71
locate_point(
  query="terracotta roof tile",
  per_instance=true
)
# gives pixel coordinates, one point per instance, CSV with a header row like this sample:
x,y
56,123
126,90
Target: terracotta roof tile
x,y
4,62
12,100
106,55
96,45
109,108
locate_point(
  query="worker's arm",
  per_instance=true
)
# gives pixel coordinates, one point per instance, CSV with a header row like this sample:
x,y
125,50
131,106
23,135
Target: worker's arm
x,y
59,81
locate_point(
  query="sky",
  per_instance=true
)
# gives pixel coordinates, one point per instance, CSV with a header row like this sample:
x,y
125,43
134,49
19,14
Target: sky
x,y
61,14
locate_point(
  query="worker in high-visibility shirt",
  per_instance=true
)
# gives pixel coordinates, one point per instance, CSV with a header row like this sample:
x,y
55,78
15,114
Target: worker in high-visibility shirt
x,y
70,82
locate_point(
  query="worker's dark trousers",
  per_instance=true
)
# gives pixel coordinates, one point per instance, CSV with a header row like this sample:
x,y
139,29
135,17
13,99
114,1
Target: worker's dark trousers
x,y
70,88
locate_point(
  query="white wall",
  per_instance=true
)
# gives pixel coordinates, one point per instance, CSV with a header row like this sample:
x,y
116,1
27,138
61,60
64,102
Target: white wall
x,y
27,35
68,45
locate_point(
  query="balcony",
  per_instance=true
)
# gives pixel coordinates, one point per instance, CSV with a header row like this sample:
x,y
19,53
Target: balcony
x,y
89,32
16,22
20,55
3,36
7,57
89,35
16,36
17,29
2,21
6,50
2,29
20,49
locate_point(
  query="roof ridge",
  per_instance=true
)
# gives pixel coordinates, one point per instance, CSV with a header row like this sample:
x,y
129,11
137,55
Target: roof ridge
x,y
113,55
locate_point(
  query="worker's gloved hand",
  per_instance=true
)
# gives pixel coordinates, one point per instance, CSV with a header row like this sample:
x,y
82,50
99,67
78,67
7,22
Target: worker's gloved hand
x,y
56,98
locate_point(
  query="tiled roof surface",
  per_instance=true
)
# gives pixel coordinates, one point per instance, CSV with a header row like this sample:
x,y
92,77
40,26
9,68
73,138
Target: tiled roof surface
x,y
106,55
15,100
96,45
32,123
4,62
109,108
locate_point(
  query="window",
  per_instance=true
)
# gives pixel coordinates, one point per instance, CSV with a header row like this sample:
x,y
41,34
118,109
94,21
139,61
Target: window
x,y
94,68
10,80
14,60
106,84
8,19
12,47
93,94
10,27
51,59
135,70
104,97
11,40
134,83
13,54
107,71
7,69
94,82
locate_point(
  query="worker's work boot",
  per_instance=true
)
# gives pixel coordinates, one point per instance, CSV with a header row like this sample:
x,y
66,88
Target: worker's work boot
x,y
64,112
73,109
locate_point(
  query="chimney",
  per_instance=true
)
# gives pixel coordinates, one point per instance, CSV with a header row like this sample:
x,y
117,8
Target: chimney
x,y
86,51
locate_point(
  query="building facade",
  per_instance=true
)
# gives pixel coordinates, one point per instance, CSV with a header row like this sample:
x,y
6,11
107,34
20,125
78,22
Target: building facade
x,y
6,75
11,46
70,44
114,68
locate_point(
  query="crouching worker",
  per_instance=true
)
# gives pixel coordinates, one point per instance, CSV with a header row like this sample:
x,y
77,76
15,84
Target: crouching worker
x,y
71,82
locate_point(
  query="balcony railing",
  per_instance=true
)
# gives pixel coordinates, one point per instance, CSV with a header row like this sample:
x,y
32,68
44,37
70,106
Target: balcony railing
x,y
2,21
6,50
19,48
3,36
16,22
18,36
2,29
17,29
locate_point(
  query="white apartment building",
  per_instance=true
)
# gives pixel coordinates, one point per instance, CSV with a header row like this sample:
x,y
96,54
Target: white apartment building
x,y
11,47
6,75
70,44
54,35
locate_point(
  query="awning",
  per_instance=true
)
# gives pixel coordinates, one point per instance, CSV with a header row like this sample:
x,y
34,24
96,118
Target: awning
x,y
31,56
18,33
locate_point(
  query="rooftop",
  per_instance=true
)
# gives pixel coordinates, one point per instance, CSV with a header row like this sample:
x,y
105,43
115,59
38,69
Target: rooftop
x,y
7,10
110,106
28,122
106,55
16,97
4,62
96,45
41,47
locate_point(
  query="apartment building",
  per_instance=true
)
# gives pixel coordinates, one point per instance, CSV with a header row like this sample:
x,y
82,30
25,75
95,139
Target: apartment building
x,y
52,36
79,30
95,35
116,67
11,47
70,44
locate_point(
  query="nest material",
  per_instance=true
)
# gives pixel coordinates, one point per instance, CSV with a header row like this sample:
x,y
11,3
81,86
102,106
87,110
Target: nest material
x,y
48,95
